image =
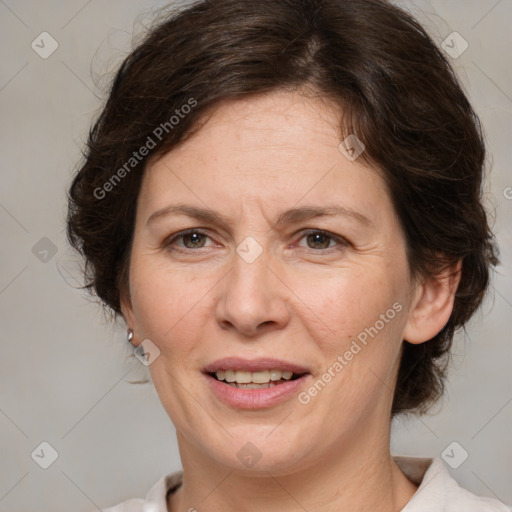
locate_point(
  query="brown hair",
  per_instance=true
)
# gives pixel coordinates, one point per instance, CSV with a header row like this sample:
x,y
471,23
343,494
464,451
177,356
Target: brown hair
x,y
396,91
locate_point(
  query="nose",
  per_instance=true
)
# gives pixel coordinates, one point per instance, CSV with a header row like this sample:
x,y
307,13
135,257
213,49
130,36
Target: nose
x,y
254,297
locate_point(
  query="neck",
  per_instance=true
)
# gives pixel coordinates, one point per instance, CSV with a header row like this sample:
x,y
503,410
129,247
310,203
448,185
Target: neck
x,y
349,477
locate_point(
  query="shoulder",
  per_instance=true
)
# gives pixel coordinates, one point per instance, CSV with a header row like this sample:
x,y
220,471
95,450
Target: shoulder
x,y
438,490
156,498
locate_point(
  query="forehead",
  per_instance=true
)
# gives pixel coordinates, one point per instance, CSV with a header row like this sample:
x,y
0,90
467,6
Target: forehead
x,y
278,122
278,146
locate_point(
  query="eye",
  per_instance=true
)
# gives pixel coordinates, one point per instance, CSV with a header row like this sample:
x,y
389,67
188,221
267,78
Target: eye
x,y
192,235
194,239
321,239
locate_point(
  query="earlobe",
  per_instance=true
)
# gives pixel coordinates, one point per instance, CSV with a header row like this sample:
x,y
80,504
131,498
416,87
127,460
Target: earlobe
x,y
432,305
129,319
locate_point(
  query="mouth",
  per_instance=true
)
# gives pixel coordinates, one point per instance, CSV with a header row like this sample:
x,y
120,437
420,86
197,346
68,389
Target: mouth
x,y
255,384
243,379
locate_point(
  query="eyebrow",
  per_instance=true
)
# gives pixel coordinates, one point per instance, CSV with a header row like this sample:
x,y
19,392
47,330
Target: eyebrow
x,y
291,216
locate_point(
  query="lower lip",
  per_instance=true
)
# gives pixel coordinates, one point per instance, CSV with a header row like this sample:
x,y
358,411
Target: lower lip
x,y
255,398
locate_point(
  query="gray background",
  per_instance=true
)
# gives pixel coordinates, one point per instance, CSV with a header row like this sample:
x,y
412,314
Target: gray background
x,y
64,369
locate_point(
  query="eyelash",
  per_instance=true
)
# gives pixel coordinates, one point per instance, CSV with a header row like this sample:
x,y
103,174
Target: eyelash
x,y
168,243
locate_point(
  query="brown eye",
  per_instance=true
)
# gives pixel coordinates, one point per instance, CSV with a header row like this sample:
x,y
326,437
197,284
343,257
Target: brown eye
x,y
191,240
195,239
321,240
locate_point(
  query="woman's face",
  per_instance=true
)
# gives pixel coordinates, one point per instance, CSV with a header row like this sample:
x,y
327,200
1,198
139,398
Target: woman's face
x,y
335,305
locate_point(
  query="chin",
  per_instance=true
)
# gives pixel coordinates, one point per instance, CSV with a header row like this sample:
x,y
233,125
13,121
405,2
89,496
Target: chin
x,y
258,450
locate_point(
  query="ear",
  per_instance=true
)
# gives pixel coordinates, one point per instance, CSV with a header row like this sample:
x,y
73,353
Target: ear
x,y
126,307
432,305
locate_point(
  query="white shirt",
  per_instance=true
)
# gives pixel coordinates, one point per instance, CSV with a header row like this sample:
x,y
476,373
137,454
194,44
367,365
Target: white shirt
x,y
437,491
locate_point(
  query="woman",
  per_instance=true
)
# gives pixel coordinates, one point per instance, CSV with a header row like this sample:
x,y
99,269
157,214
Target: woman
x,y
282,201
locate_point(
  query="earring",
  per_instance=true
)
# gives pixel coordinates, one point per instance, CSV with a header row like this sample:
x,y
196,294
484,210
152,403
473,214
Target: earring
x,y
129,335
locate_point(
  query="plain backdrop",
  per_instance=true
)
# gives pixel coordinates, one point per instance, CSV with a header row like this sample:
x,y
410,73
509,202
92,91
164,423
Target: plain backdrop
x,y
64,368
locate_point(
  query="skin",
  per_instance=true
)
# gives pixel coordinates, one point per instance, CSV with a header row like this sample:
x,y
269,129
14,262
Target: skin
x,y
304,299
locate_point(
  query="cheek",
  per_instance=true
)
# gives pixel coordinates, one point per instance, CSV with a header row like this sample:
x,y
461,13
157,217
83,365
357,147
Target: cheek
x,y
350,302
167,301
361,346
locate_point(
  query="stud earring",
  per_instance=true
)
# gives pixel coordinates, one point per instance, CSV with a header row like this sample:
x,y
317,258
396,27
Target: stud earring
x,y
129,335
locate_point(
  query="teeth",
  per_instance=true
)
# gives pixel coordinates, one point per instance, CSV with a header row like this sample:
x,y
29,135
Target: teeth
x,y
245,377
252,385
229,375
259,377
275,375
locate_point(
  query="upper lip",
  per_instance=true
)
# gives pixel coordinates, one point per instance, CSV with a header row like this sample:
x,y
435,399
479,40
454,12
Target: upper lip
x,y
254,365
